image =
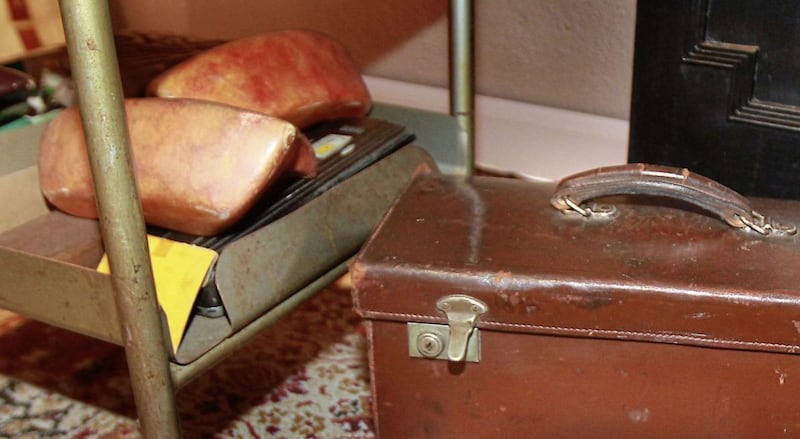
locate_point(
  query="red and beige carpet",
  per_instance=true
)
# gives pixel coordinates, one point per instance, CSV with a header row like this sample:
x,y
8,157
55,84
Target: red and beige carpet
x,y
305,377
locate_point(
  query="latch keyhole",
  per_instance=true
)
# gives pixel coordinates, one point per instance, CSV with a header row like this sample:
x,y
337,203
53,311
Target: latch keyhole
x,y
430,345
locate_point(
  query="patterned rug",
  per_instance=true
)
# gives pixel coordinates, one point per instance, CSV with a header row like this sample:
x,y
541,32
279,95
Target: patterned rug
x,y
305,377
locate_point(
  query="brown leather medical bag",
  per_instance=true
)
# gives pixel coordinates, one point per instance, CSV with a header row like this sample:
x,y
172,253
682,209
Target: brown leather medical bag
x,y
498,308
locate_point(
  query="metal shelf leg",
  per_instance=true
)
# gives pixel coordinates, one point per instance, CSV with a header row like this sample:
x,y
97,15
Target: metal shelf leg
x,y
93,59
462,81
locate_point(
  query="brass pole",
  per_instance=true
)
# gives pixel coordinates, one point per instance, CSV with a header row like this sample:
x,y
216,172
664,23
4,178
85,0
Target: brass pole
x,y
93,60
462,81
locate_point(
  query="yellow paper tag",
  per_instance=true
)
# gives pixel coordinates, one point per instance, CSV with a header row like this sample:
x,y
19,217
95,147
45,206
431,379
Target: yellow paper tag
x,y
179,270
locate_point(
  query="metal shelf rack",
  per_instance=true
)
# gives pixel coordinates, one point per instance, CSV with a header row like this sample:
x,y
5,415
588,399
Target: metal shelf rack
x,y
127,298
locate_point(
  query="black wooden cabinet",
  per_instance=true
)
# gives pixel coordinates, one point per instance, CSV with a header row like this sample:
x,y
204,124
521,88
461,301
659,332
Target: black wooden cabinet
x,y
717,90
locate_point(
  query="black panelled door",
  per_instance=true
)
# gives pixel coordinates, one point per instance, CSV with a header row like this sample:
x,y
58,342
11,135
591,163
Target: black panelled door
x,y
717,90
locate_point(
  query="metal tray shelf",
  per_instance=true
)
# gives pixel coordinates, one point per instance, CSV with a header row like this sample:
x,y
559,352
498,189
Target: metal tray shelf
x,y
51,285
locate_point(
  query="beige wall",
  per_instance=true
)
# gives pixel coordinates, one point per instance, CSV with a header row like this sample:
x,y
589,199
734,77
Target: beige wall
x,y
573,54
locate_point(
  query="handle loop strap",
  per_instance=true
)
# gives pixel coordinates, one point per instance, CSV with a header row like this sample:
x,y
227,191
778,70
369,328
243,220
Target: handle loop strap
x,y
573,192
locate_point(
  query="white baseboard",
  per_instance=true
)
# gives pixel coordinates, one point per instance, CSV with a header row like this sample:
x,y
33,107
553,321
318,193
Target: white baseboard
x,y
530,140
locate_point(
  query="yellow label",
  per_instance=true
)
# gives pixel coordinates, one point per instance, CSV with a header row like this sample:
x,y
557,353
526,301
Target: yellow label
x,y
330,144
179,270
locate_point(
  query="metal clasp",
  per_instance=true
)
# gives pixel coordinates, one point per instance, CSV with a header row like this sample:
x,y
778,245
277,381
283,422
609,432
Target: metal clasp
x,y
458,341
430,340
765,226
592,209
462,313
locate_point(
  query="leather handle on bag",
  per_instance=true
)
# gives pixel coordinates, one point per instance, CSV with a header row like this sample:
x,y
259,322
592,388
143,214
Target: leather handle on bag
x,y
574,191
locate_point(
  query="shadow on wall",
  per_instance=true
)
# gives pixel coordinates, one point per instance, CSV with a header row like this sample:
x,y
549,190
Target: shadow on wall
x,y
370,29
571,54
